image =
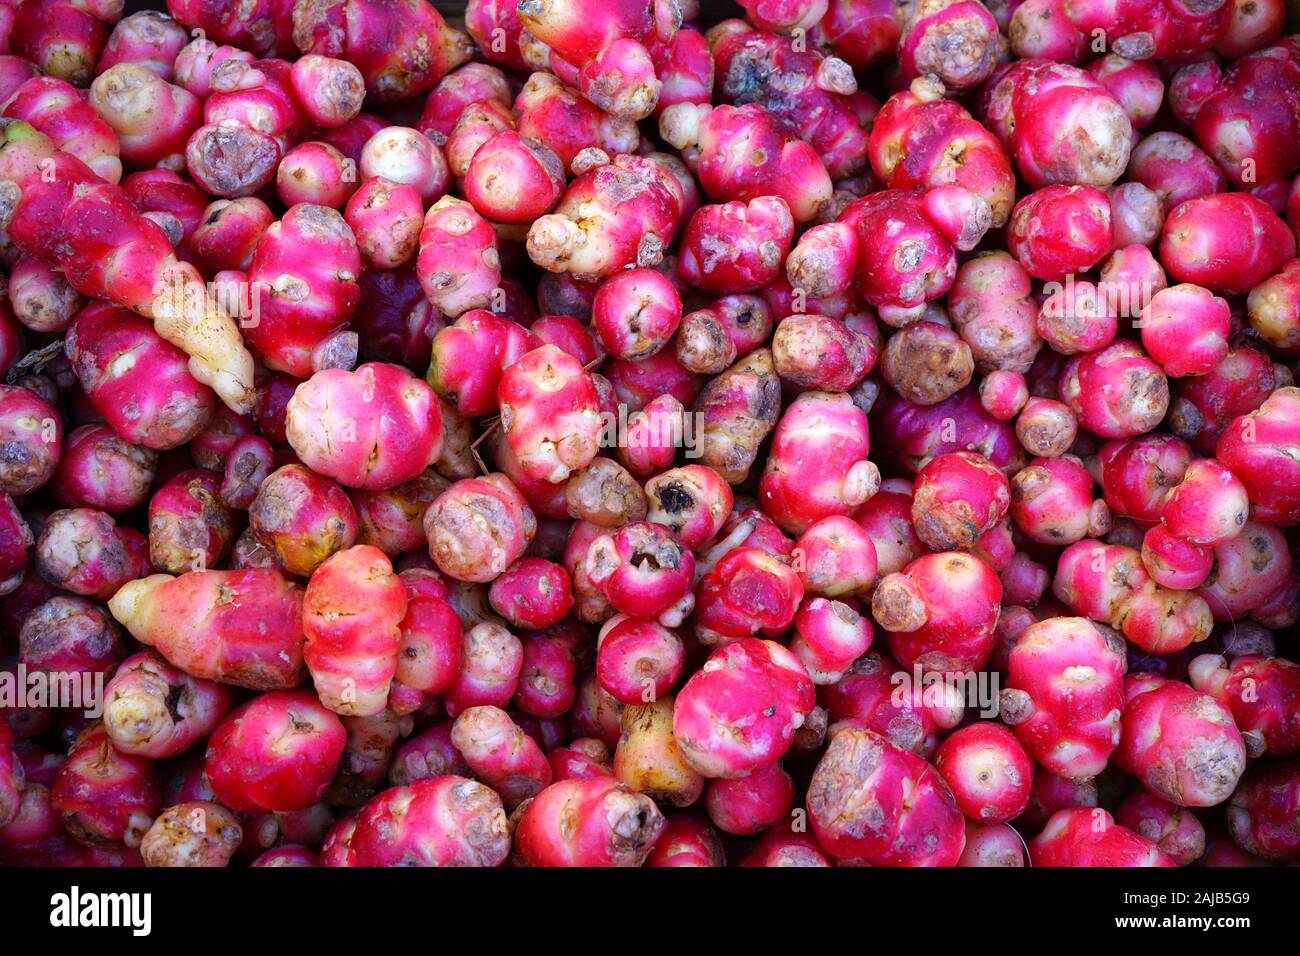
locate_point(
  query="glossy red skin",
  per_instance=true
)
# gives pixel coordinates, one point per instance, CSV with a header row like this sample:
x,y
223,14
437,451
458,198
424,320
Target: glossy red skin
x,y
1173,562
685,69
911,138
1227,242
1136,84
1249,572
1087,718
569,335
1208,508
620,213
172,406
988,770
469,357
314,245
56,108
253,109
914,820
585,757
1084,837
512,179
907,433
100,470
1185,328
1174,168
736,247
714,717
1137,474
442,821
1262,130
550,413
483,20
818,465
227,235
479,122
861,32
153,118
887,519
249,765
105,797
748,592
566,28
1058,123
1182,744
948,602
637,383
458,265
994,845
1261,815
429,649
289,855
264,29
1262,693
794,171
374,428
1051,501
401,48
165,192
956,498
635,313
829,637
752,804
1141,30
636,658
260,631
1061,229
1118,392
582,823
352,610
317,173
491,663
867,697
546,677
532,594
61,38
458,89
566,123
1237,386
650,593
901,216
500,754
687,841
1259,448
837,557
